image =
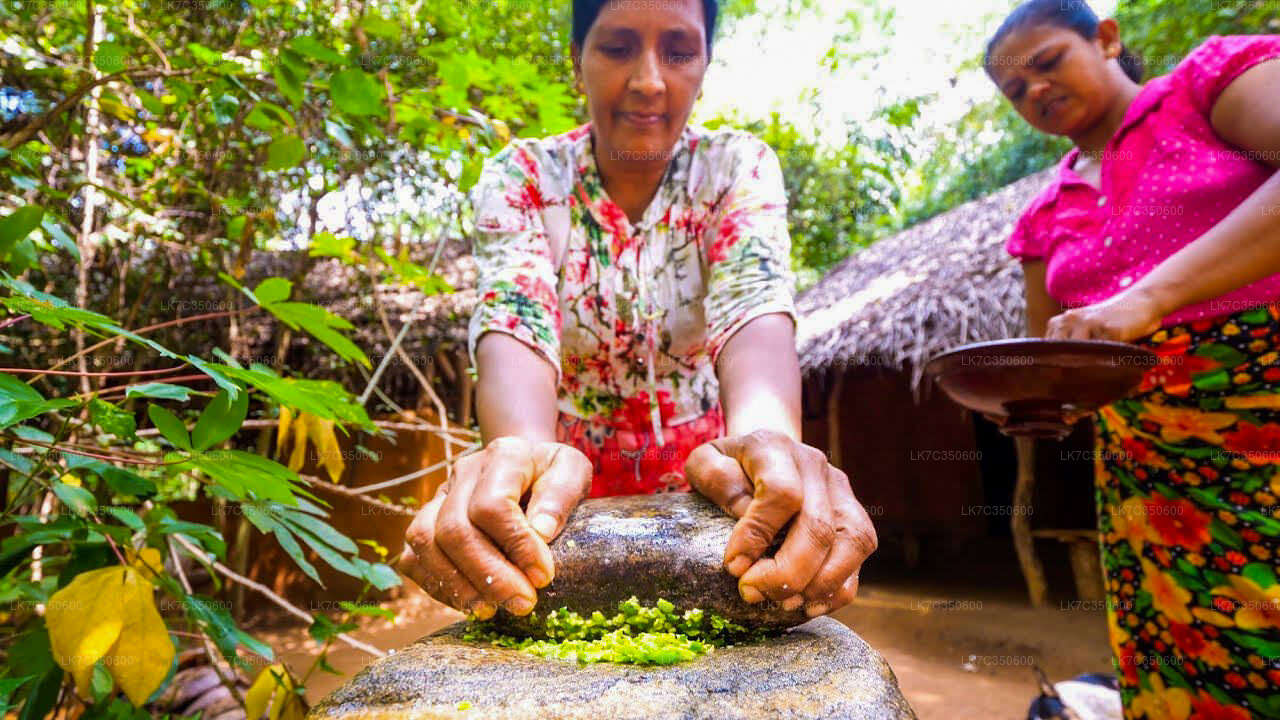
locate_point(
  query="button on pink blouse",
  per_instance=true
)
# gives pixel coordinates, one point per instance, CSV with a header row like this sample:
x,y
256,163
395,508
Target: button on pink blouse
x,y
1166,179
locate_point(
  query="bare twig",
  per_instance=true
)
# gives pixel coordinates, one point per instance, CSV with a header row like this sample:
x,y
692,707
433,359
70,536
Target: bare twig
x,y
363,489
340,490
272,596
228,683
26,132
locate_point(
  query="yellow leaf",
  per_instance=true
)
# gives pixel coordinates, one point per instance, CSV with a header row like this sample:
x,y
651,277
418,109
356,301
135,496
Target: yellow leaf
x,y
282,431
273,687
504,132
144,652
328,451
69,479
148,562
299,432
307,427
110,615
84,620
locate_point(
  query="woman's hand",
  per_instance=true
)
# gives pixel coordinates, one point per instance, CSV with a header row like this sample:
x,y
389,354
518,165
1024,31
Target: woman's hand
x,y
768,480
1124,317
474,548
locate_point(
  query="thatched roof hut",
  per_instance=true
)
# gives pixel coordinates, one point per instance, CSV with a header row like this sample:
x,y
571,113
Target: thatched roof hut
x,y
942,283
866,331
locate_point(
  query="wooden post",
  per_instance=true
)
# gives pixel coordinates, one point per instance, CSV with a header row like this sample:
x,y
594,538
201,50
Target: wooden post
x,y
834,455
1020,523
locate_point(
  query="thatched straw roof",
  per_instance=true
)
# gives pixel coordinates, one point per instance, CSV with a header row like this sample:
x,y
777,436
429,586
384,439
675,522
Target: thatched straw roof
x,y
936,285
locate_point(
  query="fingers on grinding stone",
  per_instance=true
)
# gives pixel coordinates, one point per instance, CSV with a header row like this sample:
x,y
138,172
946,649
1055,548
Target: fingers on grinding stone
x,y
495,510
488,570
426,565
719,477
809,539
560,487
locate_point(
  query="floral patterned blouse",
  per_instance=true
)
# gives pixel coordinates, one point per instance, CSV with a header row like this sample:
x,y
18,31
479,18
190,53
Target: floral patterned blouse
x,y
632,317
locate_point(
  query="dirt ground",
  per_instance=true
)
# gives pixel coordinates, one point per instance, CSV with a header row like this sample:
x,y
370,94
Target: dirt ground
x,y
961,639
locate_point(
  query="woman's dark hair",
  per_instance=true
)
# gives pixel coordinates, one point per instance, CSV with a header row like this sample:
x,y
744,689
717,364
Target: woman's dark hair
x,y
1069,14
585,13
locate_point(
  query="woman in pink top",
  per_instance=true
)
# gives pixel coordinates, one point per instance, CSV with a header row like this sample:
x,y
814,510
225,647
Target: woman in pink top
x,y
1162,228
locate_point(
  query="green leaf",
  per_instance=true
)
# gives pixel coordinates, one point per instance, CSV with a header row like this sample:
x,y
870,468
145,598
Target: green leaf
x,y
380,575
325,244
169,426
14,390
323,398
120,480
110,57
127,517
380,26
22,256
161,521
100,683
267,116
321,324
291,547
17,225
220,419
79,500
323,629
8,686
314,49
272,290
285,152
248,476
319,528
218,624
203,54
289,84
225,108
22,402
61,240
367,610
356,92
43,695
111,419
160,391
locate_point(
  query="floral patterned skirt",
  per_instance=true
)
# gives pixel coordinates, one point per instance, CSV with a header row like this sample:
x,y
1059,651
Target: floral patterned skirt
x,y
627,459
1188,481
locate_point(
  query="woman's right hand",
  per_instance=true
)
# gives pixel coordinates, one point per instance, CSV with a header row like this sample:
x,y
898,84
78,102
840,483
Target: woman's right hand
x,y
474,548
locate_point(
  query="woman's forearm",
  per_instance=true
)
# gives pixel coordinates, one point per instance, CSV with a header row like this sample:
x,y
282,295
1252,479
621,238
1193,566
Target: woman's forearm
x,y
515,390
759,374
1040,305
1241,249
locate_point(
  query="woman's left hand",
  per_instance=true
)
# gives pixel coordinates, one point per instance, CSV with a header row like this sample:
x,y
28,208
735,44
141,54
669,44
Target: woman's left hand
x,y
768,480
1124,317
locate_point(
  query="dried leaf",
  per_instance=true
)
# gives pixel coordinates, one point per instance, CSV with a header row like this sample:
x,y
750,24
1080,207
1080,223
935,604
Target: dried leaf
x,y
110,614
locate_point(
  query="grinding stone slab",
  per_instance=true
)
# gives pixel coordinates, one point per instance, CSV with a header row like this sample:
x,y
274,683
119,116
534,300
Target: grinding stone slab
x,y
667,546
818,670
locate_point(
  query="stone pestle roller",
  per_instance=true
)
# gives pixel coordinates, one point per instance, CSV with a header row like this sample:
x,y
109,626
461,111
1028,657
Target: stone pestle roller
x,y
652,546
666,546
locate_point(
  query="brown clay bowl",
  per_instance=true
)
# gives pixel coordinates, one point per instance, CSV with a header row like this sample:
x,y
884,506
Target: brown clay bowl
x,y
1033,384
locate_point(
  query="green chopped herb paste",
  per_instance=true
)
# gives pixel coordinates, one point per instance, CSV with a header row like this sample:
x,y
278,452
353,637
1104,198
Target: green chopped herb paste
x,y
636,635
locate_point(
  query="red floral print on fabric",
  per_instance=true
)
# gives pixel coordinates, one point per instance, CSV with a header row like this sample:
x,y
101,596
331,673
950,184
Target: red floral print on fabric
x,y
669,289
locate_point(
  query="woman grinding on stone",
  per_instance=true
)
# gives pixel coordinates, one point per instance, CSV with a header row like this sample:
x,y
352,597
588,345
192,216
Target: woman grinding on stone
x,y
635,334
1162,228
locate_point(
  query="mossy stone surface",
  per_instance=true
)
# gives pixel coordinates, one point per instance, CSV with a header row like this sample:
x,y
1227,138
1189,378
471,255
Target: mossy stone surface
x,y
818,670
